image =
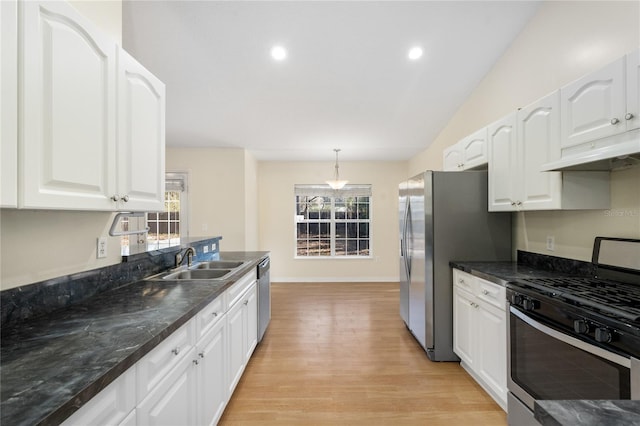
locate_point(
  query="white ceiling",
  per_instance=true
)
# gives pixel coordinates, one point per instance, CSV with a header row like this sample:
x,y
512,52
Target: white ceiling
x,y
346,83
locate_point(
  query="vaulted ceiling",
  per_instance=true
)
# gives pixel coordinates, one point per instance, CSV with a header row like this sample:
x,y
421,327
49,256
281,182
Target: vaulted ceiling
x,y
346,81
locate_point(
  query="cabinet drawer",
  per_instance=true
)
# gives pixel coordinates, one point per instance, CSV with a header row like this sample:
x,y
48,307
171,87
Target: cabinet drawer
x,y
210,315
154,366
464,280
491,293
234,293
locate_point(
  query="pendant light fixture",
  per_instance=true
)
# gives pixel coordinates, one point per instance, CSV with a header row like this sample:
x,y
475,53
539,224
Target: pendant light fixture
x,y
336,183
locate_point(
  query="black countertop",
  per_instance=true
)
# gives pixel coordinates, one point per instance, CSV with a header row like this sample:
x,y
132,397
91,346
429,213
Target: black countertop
x,y
503,272
52,365
587,413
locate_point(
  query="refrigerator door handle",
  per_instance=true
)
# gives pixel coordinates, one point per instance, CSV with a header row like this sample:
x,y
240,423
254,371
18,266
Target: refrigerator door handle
x,y
407,256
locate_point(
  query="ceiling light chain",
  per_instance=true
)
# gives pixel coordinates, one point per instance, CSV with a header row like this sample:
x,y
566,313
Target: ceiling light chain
x,y
336,183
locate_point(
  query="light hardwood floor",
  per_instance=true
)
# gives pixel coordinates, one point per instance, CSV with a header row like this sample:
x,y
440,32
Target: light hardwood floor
x,y
339,354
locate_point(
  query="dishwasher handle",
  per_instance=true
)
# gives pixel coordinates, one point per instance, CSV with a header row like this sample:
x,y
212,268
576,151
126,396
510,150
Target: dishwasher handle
x,y
263,267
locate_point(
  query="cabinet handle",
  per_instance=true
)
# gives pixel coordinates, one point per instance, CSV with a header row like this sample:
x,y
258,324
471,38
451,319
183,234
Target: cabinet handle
x,y
175,350
485,292
614,121
513,203
628,116
215,314
246,302
460,280
115,197
125,198
196,362
519,203
201,354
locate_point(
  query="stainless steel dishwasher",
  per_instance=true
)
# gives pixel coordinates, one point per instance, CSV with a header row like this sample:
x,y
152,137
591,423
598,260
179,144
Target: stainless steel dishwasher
x,y
264,297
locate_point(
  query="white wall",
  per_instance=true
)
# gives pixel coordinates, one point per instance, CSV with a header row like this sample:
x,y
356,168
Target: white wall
x,y
222,190
39,245
276,181
562,42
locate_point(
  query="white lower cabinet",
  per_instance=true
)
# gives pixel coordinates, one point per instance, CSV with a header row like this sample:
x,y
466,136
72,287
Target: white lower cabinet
x,y
173,400
243,334
480,332
211,384
189,377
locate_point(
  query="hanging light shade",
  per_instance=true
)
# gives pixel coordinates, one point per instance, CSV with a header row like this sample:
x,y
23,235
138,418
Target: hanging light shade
x,y
336,183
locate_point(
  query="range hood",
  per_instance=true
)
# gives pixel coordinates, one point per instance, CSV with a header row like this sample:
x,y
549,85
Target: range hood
x,y
623,153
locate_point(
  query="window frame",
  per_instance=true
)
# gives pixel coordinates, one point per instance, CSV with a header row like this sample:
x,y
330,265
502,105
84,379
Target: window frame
x,y
361,190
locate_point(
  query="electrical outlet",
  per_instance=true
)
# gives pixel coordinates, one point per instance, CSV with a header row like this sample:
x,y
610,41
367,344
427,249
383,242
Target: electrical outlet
x,y
551,244
205,249
101,248
213,247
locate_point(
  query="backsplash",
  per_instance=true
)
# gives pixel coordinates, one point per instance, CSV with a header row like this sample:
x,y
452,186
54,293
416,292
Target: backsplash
x,y
556,264
21,303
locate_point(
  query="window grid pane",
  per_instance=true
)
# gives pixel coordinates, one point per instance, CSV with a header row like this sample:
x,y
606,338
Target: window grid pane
x,y
332,226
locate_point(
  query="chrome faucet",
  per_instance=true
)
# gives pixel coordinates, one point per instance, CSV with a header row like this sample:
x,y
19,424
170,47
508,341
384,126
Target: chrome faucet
x,y
188,253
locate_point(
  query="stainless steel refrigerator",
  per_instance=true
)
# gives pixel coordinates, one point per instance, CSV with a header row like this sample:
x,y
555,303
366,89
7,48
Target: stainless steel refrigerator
x,y
443,217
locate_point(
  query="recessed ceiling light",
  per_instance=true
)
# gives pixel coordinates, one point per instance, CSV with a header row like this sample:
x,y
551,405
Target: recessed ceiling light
x,y
278,53
415,53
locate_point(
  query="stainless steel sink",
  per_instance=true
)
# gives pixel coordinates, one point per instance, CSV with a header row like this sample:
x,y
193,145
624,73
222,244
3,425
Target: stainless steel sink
x,y
198,274
219,264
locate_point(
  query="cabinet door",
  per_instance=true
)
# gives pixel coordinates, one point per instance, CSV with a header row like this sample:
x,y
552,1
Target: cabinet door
x,y
632,115
474,149
236,344
212,383
591,103
452,159
251,320
491,362
539,143
9,103
141,136
463,325
67,114
502,166
173,401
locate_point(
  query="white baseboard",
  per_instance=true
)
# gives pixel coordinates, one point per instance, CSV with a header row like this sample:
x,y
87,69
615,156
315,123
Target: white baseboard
x,y
334,280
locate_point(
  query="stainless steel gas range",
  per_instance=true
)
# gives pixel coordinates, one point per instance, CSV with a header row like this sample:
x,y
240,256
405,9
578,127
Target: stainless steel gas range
x,y
576,337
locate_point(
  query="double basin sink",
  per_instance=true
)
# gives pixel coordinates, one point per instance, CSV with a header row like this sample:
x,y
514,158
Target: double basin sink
x,y
211,270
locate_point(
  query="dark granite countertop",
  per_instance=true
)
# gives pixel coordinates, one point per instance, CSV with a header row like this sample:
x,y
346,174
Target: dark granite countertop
x,y
587,413
503,272
53,364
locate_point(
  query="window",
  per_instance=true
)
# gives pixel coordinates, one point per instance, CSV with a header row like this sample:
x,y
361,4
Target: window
x,y
333,223
166,227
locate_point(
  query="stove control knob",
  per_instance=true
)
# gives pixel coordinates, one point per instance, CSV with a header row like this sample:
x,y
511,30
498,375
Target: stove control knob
x,y
530,304
581,326
603,335
516,299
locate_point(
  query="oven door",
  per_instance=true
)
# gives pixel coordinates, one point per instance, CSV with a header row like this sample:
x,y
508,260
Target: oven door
x,y
545,363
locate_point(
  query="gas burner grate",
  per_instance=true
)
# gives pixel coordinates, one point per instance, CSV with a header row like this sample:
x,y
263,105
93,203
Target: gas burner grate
x,y
611,298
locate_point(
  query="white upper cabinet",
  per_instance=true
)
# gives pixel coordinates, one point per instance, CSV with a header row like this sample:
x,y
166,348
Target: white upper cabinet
x,y
593,107
502,164
9,103
452,158
470,152
68,115
538,138
632,114
141,138
519,145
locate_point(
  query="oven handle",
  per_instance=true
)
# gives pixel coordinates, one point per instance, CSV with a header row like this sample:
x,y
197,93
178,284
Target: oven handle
x,y
618,359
